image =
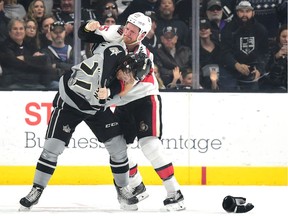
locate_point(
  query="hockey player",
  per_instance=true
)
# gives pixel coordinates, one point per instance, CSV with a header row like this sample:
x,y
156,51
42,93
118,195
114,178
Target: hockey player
x,y
142,105
79,99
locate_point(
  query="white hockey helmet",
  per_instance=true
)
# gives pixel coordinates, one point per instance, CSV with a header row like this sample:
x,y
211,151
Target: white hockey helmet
x,y
142,21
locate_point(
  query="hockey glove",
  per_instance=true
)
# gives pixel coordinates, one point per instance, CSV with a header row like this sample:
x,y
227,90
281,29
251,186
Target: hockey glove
x,y
236,204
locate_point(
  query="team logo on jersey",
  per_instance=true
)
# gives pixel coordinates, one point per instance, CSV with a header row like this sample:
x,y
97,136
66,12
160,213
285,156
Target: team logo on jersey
x,y
143,127
66,128
114,51
247,44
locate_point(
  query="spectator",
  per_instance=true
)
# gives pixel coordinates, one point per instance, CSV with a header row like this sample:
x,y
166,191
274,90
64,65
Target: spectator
x,y
214,14
14,10
49,4
122,4
171,54
2,61
228,7
36,10
59,54
151,41
183,10
181,79
277,64
32,35
159,80
137,6
44,34
212,73
105,7
3,23
108,19
23,68
66,15
271,14
166,17
245,45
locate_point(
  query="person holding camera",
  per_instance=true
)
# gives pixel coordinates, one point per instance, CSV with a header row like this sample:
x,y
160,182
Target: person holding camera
x,y
244,43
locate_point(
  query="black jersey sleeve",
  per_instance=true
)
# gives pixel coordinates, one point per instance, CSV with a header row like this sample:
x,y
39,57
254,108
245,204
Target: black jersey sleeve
x,y
89,36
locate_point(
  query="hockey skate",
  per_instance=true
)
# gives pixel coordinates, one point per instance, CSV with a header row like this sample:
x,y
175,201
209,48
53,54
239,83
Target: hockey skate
x,y
31,199
140,192
126,199
174,202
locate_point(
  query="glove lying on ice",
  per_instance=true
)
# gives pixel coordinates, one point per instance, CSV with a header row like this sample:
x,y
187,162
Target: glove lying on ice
x,y
236,204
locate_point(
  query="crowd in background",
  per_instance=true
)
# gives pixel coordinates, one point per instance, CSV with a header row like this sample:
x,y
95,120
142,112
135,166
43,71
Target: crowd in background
x,y
243,44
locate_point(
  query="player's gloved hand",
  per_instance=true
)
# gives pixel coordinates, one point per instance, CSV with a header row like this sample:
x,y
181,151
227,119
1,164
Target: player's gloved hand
x,y
236,204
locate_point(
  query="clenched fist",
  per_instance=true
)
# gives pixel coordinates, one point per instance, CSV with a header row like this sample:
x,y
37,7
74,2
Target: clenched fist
x,y
92,25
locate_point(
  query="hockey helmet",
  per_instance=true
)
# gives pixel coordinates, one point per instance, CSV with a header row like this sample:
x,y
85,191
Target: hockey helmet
x,y
138,64
142,21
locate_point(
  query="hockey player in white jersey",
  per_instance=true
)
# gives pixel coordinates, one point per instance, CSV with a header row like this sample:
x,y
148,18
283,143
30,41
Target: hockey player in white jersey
x,y
139,111
79,99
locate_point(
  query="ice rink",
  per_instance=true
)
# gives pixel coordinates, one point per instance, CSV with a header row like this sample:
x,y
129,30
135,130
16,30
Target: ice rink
x,y
101,200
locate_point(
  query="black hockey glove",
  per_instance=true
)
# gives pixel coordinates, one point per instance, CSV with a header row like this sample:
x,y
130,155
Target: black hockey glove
x,y
236,204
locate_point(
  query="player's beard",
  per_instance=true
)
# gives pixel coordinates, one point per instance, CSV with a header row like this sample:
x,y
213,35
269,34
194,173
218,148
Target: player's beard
x,y
129,41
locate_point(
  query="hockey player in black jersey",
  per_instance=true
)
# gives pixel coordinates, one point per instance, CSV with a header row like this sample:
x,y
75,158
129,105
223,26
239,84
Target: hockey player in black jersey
x,y
79,99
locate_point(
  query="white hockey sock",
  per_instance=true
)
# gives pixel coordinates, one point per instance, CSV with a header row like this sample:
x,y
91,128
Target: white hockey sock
x,y
171,185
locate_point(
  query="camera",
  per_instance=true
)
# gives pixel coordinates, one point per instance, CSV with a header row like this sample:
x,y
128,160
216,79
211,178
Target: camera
x,y
252,68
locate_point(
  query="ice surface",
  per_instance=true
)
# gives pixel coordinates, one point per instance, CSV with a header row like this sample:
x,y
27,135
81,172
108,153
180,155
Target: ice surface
x,y
101,200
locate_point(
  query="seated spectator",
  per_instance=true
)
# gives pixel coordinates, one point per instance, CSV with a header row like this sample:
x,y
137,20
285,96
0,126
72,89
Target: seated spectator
x,y
66,15
14,10
37,11
32,35
183,10
49,5
244,42
137,6
3,23
270,13
159,80
211,63
122,4
44,32
105,7
214,14
277,64
182,79
60,55
23,69
151,41
166,17
108,19
171,54
2,60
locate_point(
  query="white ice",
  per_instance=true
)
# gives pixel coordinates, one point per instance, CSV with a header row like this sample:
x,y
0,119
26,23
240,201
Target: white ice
x,y
101,200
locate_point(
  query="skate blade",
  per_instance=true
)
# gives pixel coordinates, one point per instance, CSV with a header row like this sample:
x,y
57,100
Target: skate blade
x,y
24,209
142,196
176,206
126,207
